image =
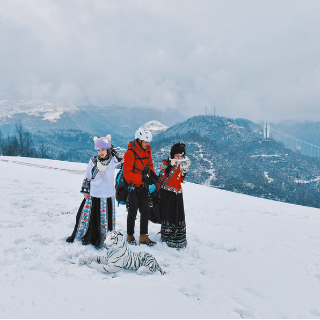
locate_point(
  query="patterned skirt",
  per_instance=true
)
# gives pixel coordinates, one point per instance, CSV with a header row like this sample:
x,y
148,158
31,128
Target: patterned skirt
x,y
95,217
173,224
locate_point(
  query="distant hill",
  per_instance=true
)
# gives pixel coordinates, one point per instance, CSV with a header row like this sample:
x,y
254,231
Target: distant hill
x,y
42,116
241,161
125,121
307,131
155,127
66,131
216,128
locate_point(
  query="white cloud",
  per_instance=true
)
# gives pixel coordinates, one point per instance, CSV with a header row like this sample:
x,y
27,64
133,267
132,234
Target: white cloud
x,y
251,59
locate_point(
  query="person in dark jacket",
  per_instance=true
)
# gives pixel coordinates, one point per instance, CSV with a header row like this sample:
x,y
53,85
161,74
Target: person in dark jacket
x,y
139,173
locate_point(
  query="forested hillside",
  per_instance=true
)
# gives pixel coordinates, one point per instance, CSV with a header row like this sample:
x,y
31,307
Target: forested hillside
x,y
306,131
250,165
48,118
65,132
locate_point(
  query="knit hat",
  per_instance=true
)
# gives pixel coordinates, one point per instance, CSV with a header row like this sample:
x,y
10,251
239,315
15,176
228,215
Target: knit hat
x,y
103,142
178,148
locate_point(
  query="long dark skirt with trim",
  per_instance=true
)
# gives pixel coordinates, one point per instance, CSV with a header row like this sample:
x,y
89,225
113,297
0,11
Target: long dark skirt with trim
x,y
95,217
173,224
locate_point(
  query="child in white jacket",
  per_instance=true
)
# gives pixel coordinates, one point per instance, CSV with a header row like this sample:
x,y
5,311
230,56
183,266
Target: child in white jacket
x,y
96,215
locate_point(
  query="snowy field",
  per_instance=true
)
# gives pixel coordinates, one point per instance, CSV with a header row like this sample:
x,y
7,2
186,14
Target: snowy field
x,y
246,257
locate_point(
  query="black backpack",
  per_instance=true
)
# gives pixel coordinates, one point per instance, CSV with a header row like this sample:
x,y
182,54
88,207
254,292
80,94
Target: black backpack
x,y
122,186
155,210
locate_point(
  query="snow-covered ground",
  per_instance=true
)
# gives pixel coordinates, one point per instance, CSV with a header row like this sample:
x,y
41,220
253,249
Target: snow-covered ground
x,y
246,257
48,110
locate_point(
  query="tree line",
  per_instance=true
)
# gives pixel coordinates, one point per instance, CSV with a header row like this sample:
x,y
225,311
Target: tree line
x,y
242,167
21,143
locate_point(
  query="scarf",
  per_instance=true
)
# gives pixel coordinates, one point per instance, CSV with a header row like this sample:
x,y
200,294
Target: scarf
x,y
99,165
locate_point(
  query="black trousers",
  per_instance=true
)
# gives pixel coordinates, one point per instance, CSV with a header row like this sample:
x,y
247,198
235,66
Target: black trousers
x,y
138,200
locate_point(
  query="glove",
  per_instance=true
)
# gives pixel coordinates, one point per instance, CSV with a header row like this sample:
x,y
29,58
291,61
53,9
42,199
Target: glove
x,y
152,188
149,180
145,171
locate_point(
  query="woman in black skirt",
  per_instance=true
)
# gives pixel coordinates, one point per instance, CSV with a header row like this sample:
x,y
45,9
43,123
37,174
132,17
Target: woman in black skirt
x,y
96,215
173,224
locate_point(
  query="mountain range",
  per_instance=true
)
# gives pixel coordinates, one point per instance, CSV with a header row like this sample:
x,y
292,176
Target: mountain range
x,y
232,155
65,131
226,153
45,117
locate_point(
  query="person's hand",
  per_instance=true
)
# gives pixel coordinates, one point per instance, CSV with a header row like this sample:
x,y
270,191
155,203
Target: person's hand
x,y
112,151
163,167
173,161
86,196
145,171
149,180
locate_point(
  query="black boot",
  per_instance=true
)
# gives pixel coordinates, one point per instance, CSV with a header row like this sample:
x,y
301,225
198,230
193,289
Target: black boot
x,y
70,239
86,241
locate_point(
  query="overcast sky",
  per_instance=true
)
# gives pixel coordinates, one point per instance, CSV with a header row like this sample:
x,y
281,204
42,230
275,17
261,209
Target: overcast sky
x,y
252,59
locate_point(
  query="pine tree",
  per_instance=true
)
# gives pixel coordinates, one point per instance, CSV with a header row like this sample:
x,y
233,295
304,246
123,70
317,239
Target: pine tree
x,y
11,147
20,137
28,144
43,151
25,141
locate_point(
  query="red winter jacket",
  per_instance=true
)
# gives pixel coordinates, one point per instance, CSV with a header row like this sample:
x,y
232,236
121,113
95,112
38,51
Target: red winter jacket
x,y
132,166
172,181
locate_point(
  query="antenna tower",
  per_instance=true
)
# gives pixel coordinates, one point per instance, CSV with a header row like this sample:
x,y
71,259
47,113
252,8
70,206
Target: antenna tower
x,y
266,130
206,111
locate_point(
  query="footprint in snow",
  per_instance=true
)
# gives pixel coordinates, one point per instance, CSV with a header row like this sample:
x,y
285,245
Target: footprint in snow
x,y
315,312
245,314
253,292
19,240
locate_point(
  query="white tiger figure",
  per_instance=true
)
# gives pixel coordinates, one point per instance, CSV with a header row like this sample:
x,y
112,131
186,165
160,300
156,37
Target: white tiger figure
x,y
119,256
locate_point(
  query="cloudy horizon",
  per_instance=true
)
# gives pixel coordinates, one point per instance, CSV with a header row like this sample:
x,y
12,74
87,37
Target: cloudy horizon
x,y
258,60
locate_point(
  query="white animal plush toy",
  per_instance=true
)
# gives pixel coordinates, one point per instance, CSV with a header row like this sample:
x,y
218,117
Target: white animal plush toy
x,y
119,256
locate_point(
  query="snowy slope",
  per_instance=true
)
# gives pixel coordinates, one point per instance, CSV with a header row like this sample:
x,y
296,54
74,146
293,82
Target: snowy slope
x,y
48,110
246,257
155,127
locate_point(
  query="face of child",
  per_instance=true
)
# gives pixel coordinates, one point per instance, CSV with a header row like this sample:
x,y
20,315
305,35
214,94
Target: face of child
x,y
102,152
178,156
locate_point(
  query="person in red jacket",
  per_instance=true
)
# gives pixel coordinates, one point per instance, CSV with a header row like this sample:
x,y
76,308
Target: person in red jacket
x,y
138,171
173,225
